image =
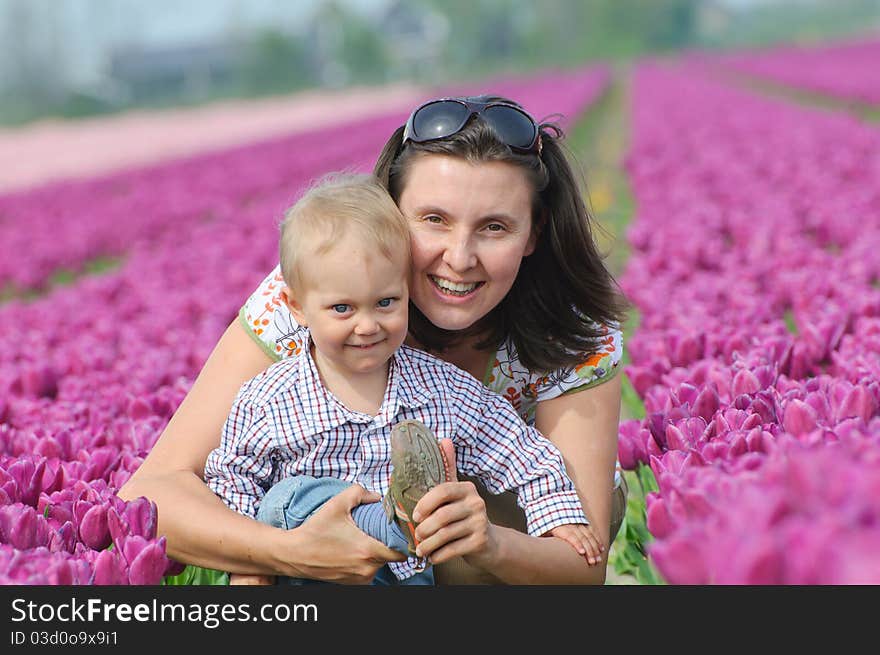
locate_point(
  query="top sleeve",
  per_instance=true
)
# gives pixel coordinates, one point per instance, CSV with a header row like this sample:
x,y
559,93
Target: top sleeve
x,y
595,368
239,470
267,320
505,453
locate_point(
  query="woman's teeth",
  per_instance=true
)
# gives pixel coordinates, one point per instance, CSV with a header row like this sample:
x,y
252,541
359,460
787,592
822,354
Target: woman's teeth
x,y
454,288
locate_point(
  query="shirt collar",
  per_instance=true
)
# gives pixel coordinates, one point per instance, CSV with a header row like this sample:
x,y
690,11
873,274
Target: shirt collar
x,y
321,410
406,381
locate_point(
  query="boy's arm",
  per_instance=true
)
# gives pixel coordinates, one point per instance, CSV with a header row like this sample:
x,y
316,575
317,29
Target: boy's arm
x,y
506,454
240,467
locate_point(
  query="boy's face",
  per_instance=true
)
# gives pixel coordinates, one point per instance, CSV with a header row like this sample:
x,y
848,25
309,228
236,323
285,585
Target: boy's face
x,y
354,301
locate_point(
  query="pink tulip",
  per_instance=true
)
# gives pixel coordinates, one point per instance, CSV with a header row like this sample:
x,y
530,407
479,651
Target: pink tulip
x,y
707,403
18,526
109,569
859,402
149,565
679,561
93,528
658,520
799,418
63,539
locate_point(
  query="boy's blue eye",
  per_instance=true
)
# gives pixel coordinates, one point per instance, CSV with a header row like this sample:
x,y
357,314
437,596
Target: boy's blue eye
x,y
340,309
385,302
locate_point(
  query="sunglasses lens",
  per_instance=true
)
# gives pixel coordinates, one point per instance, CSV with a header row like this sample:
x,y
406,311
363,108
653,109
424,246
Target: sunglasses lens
x,y
513,127
439,119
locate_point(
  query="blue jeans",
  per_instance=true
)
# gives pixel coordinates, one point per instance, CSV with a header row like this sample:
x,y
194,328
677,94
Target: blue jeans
x,y
290,503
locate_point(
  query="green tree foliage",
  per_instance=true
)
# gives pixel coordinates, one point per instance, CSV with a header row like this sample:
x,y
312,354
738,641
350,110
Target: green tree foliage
x,y
274,62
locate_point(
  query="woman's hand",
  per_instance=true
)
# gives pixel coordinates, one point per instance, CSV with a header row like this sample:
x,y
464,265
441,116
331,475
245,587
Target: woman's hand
x,y
453,521
330,546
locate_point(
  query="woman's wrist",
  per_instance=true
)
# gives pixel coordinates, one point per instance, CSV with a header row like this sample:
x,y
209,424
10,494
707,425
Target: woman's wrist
x,y
492,555
280,548
517,558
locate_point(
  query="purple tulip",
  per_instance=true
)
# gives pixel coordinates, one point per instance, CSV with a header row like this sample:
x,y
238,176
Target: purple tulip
x,y
658,520
63,539
675,439
149,565
680,561
799,418
141,516
28,479
109,569
707,403
859,402
745,382
18,526
93,529
626,452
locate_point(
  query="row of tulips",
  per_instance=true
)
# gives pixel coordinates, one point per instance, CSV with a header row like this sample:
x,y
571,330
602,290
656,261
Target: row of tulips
x,y
758,352
847,71
44,151
90,373
66,225
66,538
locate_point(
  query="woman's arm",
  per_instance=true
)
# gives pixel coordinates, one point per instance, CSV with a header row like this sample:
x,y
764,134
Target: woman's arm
x,y
201,530
583,426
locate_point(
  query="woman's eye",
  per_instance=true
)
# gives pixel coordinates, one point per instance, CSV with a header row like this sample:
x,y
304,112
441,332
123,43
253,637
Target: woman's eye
x,y
433,219
340,309
385,302
495,227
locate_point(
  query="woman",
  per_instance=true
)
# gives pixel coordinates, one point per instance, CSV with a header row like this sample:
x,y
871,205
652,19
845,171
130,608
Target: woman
x,y
508,285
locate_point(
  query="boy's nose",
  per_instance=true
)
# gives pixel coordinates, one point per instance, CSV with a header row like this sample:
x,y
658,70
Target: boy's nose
x,y
367,325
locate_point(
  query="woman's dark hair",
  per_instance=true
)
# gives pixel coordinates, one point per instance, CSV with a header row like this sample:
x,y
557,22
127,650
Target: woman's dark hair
x,y
563,293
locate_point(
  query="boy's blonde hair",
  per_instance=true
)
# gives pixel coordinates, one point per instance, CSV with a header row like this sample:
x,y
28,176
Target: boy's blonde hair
x,y
336,205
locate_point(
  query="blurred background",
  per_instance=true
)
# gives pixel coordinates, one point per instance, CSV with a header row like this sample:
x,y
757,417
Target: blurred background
x,y
78,58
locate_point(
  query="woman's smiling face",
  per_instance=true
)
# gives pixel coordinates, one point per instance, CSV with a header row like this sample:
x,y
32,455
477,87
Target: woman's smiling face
x,y
471,226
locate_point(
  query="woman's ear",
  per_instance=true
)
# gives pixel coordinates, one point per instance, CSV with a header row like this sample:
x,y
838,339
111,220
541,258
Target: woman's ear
x,y
294,306
536,233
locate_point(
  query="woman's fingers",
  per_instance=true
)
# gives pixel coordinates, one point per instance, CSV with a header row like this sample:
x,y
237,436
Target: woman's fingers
x,y
353,496
444,515
340,549
450,550
472,547
446,493
452,513
445,534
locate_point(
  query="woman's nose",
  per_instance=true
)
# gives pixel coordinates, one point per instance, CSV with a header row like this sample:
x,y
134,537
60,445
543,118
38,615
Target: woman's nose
x,y
459,253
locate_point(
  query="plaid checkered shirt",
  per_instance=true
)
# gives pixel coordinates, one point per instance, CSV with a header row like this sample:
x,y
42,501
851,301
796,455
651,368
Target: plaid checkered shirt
x,y
284,422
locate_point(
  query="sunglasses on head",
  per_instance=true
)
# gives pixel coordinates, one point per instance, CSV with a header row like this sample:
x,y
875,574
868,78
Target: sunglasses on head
x,y
442,118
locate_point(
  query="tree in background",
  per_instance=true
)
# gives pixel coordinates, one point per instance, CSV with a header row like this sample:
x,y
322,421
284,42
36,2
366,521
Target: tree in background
x,y
274,62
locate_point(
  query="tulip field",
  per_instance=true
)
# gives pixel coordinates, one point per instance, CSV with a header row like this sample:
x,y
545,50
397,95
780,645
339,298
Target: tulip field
x,y
847,71
753,272
90,372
